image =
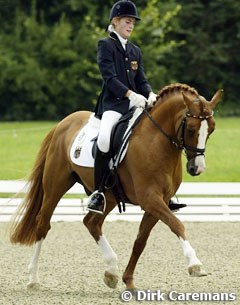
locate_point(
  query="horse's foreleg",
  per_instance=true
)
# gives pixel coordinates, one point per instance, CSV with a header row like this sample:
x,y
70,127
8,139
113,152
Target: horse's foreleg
x,y
146,225
94,223
176,226
33,267
194,264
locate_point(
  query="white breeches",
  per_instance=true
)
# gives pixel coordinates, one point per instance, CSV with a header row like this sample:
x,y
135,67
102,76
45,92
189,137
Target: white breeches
x,y
109,119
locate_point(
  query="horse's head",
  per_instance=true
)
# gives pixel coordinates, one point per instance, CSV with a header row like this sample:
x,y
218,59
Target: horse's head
x,y
199,124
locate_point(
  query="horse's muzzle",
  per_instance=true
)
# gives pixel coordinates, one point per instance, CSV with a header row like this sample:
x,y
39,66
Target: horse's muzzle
x,y
193,169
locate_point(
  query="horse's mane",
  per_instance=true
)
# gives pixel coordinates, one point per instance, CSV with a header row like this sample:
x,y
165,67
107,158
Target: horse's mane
x,y
174,88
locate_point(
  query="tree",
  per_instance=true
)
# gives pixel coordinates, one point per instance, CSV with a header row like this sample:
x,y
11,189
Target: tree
x,y
48,71
209,58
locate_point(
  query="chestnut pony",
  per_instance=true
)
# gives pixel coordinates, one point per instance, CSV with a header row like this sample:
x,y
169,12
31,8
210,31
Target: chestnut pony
x,y
150,173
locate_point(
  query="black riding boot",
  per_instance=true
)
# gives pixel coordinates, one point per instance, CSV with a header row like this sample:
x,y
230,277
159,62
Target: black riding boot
x,y
97,201
173,206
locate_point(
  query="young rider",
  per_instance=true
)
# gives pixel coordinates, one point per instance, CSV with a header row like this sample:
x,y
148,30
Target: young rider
x,y
124,86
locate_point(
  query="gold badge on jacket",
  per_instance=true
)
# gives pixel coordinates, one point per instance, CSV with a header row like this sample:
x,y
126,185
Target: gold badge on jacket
x,y
134,65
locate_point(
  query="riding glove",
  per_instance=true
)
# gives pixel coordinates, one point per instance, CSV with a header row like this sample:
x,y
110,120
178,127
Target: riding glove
x,y
137,100
151,99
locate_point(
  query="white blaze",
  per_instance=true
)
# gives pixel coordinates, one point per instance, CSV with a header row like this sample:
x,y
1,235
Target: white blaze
x,y
203,133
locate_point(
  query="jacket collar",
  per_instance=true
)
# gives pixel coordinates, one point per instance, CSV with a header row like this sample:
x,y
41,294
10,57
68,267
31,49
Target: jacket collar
x,y
114,37
122,40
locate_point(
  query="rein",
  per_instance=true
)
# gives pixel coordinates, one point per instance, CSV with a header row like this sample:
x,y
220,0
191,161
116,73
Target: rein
x,y
175,142
180,144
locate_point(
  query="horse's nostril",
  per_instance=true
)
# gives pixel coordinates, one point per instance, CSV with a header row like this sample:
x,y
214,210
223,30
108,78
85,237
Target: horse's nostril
x,y
191,168
192,171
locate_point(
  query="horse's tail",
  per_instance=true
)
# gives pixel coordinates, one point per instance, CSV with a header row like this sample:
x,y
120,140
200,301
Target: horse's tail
x,y
23,228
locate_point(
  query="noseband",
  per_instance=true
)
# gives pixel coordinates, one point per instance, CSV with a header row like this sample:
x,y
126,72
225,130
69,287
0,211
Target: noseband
x,y
180,143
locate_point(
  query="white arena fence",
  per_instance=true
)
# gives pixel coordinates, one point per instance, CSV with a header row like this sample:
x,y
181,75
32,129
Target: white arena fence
x,y
205,202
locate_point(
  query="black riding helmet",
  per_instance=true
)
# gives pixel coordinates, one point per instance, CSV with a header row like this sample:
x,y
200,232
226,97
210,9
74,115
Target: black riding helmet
x,y
124,8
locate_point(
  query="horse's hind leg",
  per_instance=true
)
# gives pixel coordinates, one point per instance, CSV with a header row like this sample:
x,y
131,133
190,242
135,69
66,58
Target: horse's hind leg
x,y
57,180
33,267
54,188
42,230
93,222
146,225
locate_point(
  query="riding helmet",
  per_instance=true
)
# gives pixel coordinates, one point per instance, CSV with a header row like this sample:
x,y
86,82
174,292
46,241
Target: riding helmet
x,y
124,8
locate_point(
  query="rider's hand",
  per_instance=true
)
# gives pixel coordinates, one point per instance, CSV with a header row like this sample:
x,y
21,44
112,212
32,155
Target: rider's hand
x,y
137,100
151,99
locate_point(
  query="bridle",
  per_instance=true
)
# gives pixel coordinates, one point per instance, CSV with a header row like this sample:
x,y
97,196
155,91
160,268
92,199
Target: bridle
x,y
179,141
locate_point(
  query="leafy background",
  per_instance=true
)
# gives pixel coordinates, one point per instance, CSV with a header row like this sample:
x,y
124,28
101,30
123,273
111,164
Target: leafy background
x,y
48,63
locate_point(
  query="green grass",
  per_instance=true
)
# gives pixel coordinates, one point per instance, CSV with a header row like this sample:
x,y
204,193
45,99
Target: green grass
x,y
20,142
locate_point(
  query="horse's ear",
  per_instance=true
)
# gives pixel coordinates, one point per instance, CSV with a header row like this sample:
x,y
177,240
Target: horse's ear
x,y
216,98
187,100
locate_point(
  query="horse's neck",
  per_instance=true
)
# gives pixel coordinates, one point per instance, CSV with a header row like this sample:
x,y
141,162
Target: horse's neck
x,y
168,114
152,147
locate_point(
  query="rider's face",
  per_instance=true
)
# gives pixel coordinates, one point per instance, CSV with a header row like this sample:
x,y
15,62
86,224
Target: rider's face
x,y
124,26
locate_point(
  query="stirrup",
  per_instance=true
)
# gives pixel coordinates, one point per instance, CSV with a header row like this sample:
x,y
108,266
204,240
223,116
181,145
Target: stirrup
x,y
94,205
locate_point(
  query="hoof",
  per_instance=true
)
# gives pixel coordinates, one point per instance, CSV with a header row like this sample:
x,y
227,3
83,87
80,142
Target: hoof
x,y
33,286
196,271
128,280
130,286
110,280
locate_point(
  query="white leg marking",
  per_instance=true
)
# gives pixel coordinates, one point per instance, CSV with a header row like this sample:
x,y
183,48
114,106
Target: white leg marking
x,y
110,257
33,265
189,253
200,160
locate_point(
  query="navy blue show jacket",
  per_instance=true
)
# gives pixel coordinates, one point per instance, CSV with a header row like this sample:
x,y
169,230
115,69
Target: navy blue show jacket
x,y
121,70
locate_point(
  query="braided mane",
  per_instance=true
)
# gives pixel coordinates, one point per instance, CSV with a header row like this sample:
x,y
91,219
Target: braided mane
x,y
173,88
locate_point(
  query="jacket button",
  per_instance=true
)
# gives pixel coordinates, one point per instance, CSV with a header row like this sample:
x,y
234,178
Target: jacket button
x,y
127,71
126,58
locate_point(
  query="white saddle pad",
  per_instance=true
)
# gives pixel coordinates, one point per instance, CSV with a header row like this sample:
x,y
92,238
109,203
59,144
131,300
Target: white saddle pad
x,y
81,150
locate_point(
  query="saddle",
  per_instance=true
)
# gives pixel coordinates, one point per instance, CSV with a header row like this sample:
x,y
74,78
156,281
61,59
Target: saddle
x,y
119,138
